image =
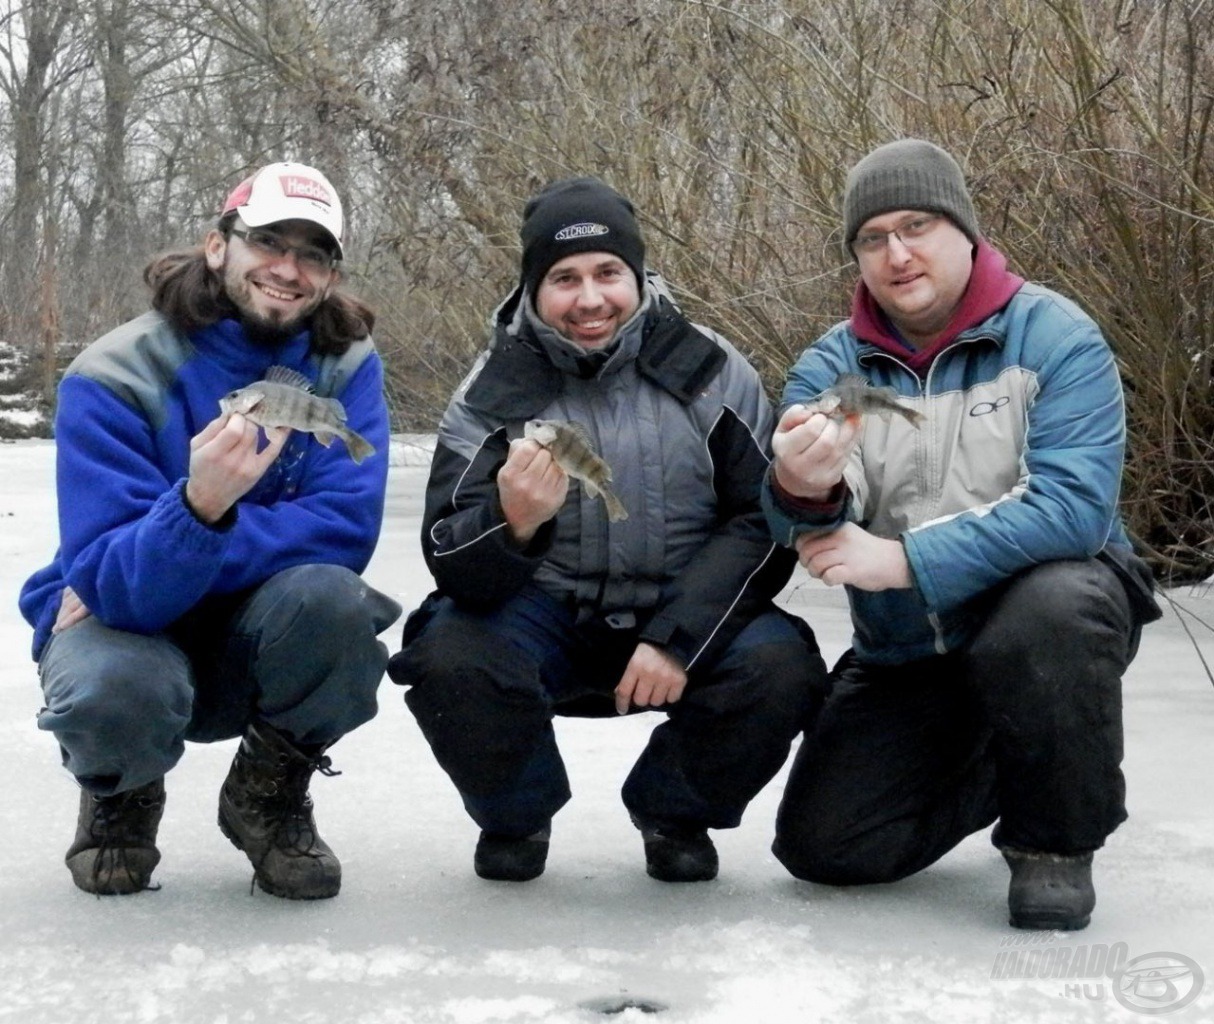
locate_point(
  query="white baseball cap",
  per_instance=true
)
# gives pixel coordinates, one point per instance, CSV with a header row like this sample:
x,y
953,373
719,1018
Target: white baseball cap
x,y
287,191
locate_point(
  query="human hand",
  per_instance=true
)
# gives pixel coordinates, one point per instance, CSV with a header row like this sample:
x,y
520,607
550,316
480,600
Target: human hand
x,y
811,450
71,611
854,556
651,678
531,488
225,463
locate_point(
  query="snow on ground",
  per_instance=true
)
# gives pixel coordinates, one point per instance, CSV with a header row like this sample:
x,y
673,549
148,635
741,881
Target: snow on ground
x,y
416,937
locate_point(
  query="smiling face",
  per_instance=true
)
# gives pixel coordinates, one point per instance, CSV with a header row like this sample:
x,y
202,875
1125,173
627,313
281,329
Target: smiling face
x,y
917,285
273,292
588,297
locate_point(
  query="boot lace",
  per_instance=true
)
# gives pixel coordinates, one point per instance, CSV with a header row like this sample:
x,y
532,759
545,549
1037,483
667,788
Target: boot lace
x,y
119,824
287,808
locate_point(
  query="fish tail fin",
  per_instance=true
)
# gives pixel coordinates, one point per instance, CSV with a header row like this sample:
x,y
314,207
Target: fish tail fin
x,y
615,508
358,446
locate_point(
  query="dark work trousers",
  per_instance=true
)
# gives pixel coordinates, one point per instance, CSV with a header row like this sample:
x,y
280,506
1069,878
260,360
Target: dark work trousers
x,y
1023,725
299,653
484,688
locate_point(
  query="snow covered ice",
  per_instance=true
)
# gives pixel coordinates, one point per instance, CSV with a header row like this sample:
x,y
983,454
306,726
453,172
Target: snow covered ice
x,y
415,937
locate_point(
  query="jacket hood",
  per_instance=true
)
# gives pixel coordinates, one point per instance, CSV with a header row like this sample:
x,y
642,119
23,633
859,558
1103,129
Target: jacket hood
x,y
516,317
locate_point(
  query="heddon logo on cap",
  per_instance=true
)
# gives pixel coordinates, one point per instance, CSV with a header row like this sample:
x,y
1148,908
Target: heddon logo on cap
x,y
288,191
583,230
305,188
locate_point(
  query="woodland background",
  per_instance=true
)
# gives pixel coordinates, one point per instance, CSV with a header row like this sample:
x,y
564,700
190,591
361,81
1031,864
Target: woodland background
x,y
1084,126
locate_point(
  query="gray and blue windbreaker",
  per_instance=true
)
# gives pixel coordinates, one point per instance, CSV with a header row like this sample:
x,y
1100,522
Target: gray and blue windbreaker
x,y
682,420
1018,462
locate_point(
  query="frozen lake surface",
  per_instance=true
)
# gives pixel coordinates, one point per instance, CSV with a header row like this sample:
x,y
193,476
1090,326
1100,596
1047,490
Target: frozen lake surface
x,y
416,937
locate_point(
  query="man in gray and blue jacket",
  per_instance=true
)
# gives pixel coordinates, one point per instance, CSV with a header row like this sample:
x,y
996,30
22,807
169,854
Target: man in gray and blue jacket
x,y
995,598
545,605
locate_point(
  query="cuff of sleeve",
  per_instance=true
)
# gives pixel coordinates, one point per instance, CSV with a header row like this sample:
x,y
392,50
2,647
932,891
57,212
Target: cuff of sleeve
x,y
224,523
830,506
669,635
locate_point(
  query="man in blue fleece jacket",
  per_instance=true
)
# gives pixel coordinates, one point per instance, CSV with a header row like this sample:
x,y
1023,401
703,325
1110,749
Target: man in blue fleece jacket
x,y
207,580
994,593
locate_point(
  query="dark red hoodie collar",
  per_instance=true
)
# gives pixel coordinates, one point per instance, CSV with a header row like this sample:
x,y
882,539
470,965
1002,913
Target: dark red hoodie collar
x,y
991,287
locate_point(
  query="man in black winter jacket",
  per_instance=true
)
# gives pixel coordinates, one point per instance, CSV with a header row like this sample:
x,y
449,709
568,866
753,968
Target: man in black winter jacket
x,y
545,605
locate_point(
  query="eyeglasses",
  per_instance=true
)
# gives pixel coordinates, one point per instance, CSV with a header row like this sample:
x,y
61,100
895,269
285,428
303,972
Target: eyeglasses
x,y
911,234
309,257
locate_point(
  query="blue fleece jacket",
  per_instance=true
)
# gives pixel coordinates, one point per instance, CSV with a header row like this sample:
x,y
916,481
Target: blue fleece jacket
x,y
130,547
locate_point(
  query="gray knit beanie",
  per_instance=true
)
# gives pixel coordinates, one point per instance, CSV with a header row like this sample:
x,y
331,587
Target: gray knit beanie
x,y
909,174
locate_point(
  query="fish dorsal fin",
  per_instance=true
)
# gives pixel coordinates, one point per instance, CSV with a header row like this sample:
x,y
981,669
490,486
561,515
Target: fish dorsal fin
x,y
855,380
581,433
292,378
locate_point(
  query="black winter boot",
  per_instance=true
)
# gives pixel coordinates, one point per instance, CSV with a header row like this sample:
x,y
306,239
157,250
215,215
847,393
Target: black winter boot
x,y
265,809
678,853
509,858
1049,891
115,849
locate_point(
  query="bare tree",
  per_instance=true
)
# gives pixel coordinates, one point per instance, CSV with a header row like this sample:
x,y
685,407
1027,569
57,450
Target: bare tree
x,y
38,56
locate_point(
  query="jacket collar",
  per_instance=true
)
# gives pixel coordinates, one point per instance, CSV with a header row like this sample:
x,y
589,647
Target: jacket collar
x,y
227,342
528,366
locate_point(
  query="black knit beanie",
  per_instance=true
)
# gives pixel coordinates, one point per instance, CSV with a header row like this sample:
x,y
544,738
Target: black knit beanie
x,y
909,174
578,215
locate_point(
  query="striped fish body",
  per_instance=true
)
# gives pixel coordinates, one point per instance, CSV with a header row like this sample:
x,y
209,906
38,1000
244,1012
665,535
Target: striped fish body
x,y
572,450
852,395
285,399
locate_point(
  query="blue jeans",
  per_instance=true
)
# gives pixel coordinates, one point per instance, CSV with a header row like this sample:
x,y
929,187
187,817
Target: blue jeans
x,y
299,653
484,687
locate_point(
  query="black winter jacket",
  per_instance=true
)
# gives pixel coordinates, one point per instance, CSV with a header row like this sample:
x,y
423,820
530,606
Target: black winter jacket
x,y
680,417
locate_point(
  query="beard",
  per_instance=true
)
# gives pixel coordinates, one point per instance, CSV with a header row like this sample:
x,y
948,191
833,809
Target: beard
x,y
265,329
263,334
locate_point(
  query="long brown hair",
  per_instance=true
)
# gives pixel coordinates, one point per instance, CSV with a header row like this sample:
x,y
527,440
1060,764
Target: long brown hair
x,y
190,295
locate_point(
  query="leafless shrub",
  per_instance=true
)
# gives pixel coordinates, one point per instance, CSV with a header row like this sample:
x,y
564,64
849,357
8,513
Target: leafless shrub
x,y
1084,126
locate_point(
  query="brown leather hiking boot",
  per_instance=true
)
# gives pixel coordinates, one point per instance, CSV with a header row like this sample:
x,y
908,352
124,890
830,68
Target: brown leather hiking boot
x,y
265,810
115,849
1049,891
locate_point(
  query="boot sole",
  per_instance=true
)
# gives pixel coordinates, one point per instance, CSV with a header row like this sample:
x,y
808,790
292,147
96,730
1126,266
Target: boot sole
x,y
1048,922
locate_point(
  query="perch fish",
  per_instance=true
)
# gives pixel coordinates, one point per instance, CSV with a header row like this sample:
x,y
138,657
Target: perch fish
x,y
571,448
852,395
285,399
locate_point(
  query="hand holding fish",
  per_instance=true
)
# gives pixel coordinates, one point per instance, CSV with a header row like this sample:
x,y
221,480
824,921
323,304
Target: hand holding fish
x,y
854,556
531,488
811,450
652,678
225,463
571,448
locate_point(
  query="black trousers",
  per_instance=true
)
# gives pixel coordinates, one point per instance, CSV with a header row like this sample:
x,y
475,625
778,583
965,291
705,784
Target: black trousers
x,y
484,688
1023,725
